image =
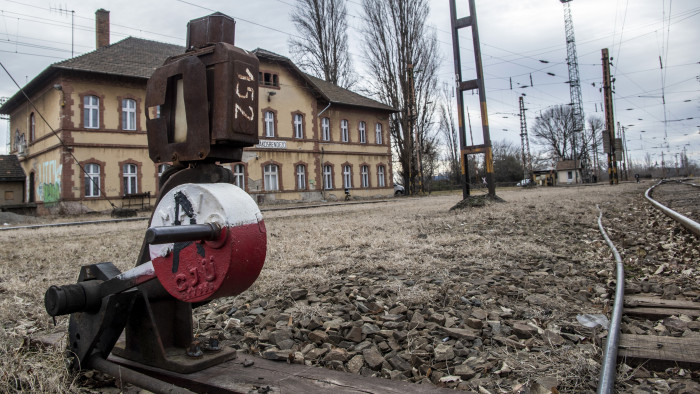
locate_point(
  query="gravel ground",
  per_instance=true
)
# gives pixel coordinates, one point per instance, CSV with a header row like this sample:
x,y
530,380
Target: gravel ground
x,y
479,299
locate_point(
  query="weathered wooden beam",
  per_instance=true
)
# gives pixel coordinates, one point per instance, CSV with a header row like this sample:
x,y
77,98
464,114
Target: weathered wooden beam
x,y
659,351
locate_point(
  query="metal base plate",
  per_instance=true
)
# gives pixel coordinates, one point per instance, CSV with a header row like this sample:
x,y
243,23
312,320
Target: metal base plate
x,y
175,359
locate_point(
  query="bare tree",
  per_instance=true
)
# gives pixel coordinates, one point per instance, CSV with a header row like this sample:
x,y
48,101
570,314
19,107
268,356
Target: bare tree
x,y
507,161
450,137
402,55
553,130
429,158
322,49
596,126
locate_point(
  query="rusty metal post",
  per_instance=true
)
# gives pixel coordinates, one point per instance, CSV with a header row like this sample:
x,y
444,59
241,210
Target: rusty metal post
x,y
460,103
609,119
488,160
478,84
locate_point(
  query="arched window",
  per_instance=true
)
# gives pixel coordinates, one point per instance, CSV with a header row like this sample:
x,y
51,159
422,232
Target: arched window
x,y
128,114
298,126
92,180
239,175
326,129
363,132
378,132
129,174
381,182
271,181
91,112
328,177
269,124
301,177
344,130
364,172
347,177
32,127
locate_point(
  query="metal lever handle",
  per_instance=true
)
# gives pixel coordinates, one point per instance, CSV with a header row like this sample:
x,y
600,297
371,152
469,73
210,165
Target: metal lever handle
x,y
184,233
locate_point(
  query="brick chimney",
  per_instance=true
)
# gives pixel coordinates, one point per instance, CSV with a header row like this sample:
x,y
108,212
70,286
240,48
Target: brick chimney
x,y
102,28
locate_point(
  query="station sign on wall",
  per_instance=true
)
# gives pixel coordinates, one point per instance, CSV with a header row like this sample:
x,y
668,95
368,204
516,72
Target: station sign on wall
x,y
271,144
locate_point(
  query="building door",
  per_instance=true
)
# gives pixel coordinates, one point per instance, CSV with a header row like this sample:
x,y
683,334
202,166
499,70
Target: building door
x,y
31,187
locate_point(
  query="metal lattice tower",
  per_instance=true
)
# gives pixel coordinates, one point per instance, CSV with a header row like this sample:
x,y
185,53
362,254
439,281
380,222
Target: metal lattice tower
x,y
525,143
572,61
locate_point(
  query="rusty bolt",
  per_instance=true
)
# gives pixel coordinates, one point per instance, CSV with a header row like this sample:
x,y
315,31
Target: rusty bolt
x,y
194,351
174,157
211,345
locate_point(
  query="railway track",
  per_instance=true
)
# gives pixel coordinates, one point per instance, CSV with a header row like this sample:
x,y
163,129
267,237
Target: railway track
x,y
656,314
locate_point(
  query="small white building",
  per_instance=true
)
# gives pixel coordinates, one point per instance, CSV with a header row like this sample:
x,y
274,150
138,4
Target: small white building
x,y
568,172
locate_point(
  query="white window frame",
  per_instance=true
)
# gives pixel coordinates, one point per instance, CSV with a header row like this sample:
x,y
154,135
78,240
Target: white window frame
x,y
162,168
130,178
363,132
239,175
381,181
364,178
378,133
92,180
298,126
327,177
347,177
344,130
269,124
301,177
271,173
325,129
91,110
128,114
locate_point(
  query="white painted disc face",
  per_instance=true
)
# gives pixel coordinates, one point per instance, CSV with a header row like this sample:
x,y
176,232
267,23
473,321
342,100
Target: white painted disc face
x,y
198,203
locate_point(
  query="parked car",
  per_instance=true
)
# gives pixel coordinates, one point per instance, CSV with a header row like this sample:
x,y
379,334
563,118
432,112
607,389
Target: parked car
x,y
524,182
399,190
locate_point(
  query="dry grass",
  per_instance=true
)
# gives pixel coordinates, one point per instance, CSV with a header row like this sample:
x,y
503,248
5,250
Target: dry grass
x,y
402,239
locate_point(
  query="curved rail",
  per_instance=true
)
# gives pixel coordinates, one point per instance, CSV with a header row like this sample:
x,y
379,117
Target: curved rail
x,y
609,365
686,222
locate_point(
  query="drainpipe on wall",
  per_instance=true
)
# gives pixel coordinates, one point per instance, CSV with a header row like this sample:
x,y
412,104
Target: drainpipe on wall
x,y
323,178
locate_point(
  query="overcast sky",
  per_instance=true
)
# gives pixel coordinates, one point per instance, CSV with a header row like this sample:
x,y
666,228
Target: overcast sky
x,y
516,37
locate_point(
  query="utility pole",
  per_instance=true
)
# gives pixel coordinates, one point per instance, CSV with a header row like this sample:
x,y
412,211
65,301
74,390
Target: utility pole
x,y
525,142
596,162
676,164
62,11
478,83
624,154
574,80
415,134
609,136
663,165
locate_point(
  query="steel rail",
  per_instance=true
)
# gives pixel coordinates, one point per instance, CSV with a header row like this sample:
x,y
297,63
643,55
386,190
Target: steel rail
x,y
80,223
136,378
686,222
609,365
64,224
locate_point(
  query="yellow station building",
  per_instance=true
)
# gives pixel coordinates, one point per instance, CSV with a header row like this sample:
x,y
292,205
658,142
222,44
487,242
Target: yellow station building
x,y
316,139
